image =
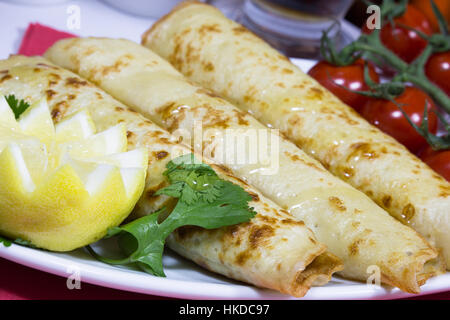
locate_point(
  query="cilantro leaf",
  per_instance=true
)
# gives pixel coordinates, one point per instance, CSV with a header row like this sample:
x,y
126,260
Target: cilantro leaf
x,y
204,200
191,182
5,242
25,243
17,106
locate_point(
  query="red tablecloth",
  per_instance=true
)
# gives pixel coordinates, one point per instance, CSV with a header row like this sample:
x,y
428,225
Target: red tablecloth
x,y
20,282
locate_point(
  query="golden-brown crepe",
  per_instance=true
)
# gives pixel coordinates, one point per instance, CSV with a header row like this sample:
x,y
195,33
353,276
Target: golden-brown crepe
x,y
347,221
225,57
272,250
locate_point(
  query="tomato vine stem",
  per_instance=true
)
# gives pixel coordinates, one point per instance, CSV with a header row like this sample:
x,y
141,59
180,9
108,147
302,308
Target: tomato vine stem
x,y
412,72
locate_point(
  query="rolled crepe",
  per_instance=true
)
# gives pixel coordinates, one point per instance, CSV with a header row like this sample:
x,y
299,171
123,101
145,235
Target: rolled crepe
x,y
347,221
272,250
228,59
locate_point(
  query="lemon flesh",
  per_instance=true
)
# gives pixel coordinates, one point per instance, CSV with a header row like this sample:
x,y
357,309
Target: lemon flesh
x,y
63,186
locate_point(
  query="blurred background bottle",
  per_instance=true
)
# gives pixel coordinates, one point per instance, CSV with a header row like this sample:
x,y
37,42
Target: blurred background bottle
x,y
295,26
292,26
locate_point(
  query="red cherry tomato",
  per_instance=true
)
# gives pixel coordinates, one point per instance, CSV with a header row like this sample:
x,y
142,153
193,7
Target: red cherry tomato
x,y
437,70
387,116
425,7
334,78
405,43
439,161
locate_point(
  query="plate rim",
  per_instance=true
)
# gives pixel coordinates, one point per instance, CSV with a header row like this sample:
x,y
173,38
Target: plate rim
x,y
125,280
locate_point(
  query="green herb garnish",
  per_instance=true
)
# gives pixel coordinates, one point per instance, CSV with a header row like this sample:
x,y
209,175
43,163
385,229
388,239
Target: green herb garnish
x,y
17,106
5,242
204,200
25,243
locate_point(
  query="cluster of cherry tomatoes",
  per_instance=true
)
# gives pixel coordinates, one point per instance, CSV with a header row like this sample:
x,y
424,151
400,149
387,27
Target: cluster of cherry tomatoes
x,y
406,44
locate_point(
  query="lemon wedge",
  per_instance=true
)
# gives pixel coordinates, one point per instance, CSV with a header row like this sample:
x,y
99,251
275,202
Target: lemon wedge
x,y
37,121
76,127
6,114
110,141
62,186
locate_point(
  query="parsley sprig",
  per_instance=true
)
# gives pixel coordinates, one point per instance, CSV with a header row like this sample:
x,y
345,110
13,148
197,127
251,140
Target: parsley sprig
x,y
204,200
18,106
5,242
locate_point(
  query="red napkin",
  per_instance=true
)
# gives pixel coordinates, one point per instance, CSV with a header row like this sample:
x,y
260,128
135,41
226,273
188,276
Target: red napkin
x,y
38,38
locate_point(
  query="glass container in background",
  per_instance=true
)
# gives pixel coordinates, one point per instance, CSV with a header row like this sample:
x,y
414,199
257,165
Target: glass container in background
x,y
292,26
295,26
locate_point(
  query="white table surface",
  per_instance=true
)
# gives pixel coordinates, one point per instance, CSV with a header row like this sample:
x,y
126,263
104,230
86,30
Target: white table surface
x,y
96,19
